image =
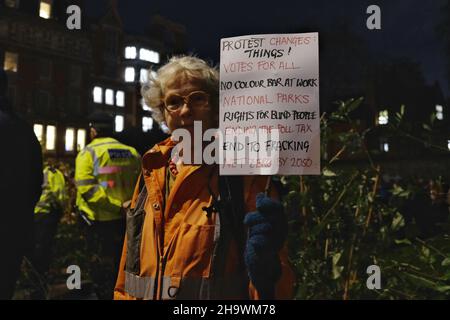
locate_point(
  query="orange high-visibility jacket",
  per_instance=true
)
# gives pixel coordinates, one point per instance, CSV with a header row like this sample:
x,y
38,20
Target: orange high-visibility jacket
x,y
175,250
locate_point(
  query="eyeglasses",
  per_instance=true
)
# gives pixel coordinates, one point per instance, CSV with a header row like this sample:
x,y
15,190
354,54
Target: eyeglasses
x,y
195,99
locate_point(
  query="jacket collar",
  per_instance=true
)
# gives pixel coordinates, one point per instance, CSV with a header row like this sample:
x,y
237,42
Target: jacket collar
x,y
102,140
159,155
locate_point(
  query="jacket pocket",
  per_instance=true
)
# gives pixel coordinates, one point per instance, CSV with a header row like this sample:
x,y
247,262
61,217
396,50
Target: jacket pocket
x,y
135,221
193,251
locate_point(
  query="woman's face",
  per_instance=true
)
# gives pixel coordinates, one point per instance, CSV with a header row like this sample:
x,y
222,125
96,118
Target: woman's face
x,y
186,115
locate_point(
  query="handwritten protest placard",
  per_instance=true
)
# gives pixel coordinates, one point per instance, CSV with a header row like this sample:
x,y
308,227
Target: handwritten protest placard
x,y
269,91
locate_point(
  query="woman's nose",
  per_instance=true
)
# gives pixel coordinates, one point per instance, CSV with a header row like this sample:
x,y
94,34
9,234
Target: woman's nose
x,y
185,109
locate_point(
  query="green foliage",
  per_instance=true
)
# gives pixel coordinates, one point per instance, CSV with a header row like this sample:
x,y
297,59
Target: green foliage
x,y
340,223
338,227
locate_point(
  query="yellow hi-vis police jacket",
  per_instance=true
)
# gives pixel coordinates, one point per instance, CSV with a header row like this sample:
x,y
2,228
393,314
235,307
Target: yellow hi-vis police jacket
x,y
54,193
105,175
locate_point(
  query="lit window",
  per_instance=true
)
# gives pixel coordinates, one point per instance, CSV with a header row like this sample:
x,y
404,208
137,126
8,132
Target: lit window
x,y
50,138
448,144
129,74
81,139
149,55
384,145
130,53
120,98
98,95
11,61
39,132
109,97
147,124
12,3
439,112
70,139
119,123
144,75
45,9
145,107
383,117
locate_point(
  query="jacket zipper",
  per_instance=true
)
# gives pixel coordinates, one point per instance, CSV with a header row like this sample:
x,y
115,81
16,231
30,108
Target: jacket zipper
x,y
162,266
160,272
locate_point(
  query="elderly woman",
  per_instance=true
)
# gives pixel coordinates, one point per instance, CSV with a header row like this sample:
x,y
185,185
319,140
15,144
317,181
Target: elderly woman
x,y
188,234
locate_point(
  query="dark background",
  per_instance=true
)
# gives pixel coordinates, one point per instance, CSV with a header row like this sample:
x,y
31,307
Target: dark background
x,y
409,27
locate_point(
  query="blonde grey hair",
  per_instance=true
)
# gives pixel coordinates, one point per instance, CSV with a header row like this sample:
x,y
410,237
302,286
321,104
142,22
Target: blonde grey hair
x,y
194,68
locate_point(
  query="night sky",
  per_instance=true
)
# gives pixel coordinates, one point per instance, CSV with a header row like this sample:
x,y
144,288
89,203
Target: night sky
x,y
408,26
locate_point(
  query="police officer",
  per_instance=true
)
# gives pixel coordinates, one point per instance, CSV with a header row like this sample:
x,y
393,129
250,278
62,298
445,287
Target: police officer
x,y
105,175
47,213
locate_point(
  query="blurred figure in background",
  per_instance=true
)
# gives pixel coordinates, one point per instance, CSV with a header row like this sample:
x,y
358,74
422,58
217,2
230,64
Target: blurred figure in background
x,y
48,212
20,189
438,214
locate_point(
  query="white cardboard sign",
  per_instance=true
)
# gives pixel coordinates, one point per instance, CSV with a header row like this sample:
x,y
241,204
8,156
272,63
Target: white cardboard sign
x,y
269,91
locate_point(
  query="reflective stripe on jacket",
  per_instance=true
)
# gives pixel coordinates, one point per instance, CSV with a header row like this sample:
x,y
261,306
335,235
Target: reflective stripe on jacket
x,y
174,249
105,175
54,192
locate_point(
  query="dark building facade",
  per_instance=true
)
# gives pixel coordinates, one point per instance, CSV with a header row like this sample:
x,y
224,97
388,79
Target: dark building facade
x,y
57,76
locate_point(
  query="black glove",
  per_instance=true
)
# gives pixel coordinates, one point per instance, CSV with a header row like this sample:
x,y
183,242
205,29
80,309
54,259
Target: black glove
x,y
267,231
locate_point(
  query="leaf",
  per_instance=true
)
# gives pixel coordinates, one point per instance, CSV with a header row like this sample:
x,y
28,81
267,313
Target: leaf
x,y
402,241
397,190
445,262
337,270
354,104
426,127
337,117
443,288
425,252
328,173
336,257
397,222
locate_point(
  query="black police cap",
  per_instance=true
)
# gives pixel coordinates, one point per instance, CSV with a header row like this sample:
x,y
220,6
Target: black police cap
x,y
101,120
